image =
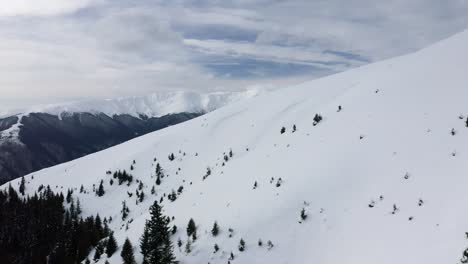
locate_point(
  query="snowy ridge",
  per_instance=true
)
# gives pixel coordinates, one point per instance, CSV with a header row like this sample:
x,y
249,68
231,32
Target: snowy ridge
x,y
11,135
153,105
381,178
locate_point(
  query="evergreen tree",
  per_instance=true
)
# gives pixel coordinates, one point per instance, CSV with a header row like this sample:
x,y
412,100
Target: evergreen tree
x,y
145,244
127,253
124,210
241,245
157,247
100,192
303,214
191,228
111,246
69,196
98,253
158,180
188,246
215,229
171,157
78,207
22,186
283,130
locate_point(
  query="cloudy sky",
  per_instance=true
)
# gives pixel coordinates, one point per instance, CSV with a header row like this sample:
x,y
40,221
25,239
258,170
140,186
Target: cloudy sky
x,y
53,50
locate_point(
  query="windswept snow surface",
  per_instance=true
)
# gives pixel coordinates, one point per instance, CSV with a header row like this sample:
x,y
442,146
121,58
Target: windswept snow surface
x,y
396,121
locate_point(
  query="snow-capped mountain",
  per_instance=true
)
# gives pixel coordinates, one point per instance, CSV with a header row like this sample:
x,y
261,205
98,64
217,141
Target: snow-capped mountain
x,y
153,105
43,136
376,158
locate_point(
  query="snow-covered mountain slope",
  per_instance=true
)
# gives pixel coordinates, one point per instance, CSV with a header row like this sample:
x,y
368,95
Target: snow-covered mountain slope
x,y
43,136
153,105
382,181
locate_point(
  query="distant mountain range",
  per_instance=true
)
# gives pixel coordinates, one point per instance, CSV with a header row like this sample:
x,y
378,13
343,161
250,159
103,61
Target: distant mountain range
x,y
43,136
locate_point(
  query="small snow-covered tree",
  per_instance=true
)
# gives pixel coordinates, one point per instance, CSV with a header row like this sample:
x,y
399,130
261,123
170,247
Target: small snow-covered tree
x,y
100,191
241,245
22,186
303,214
215,229
191,228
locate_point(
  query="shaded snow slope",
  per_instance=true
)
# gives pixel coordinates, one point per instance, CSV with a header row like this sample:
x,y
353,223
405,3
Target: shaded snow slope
x,y
390,146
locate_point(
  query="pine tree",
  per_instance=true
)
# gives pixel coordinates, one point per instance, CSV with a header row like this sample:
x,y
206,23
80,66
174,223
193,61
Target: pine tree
x,y
145,244
69,196
22,186
215,229
283,130
111,246
78,207
191,228
303,214
157,247
241,245
97,253
171,157
188,246
158,180
216,248
124,210
179,242
127,253
100,192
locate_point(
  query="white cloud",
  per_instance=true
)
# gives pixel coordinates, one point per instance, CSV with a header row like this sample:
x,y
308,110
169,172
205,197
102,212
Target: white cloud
x,y
42,7
298,55
78,48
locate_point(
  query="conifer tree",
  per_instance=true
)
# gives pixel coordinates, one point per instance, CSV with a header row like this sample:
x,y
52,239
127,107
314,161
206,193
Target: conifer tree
x,y
191,228
124,210
127,253
303,214
145,244
156,244
22,186
215,229
69,196
188,246
100,192
158,180
241,245
111,246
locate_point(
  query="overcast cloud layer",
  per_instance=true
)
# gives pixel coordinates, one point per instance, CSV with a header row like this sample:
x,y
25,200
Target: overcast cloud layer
x,y
53,50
